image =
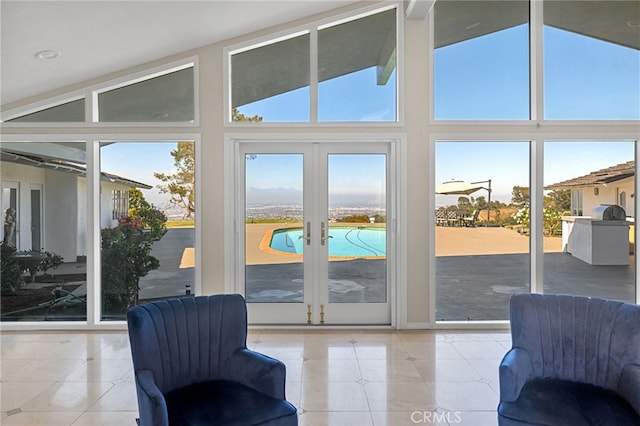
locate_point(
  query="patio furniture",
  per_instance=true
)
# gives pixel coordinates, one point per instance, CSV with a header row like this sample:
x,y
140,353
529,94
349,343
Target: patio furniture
x,y
453,219
470,221
192,366
441,217
574,361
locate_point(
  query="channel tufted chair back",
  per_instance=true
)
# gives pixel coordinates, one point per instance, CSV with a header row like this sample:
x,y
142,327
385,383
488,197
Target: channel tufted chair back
x,y
580,339
574,361
188,340
192,366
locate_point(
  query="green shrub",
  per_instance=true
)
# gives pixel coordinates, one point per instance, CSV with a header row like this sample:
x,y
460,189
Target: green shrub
x,y
10,272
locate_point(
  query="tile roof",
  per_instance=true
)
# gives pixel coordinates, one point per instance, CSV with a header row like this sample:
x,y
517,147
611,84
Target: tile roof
x,y
607,175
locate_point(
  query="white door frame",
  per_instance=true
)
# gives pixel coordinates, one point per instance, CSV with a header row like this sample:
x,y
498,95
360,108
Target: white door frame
x,y
234,246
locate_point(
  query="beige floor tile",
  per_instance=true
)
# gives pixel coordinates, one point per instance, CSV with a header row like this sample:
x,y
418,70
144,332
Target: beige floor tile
x,y
374,350
121,397
329,350
97,370
412,418
464,396
14,395
431,350
447,370
477,418
107,418
67,397
330,370
8,366
117,348
400,396
62,418
392,369
333,396
313,418
480,349
486,367
44,370
334,377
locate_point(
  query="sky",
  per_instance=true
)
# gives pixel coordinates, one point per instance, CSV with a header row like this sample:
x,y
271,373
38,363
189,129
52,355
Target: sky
x,y
482,78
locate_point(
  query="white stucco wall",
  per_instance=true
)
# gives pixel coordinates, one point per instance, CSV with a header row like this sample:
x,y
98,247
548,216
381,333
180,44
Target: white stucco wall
x,y
25,176
60,214
609,195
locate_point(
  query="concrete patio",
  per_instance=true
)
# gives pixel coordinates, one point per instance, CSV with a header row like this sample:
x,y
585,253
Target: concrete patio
x,y
477,270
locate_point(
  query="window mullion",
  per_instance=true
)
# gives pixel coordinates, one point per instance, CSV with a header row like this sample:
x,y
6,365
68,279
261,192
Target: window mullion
x,y
313,75
536,83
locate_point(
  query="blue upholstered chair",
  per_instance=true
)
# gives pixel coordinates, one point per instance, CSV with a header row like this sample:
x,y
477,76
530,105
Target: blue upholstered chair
x,y
192,366
574,361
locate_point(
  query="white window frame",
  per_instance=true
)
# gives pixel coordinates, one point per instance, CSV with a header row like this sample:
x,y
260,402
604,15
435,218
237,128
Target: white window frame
x,y
90,95
312,29
93,143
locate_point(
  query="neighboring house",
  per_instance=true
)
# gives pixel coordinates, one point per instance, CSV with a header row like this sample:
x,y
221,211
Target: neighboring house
x,y
612,185
49,197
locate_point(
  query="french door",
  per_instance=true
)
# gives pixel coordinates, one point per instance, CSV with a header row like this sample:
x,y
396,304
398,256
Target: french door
x,y
316,247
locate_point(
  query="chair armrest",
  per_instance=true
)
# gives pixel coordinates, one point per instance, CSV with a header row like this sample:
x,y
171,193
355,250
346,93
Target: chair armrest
x,y
258,371
629,386
151,404
516,369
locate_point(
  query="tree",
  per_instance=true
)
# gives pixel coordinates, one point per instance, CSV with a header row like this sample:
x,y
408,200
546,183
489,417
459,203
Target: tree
x,y
560,200
520,196
181,185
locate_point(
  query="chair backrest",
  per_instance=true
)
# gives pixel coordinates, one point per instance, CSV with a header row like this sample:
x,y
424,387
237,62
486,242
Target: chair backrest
x,y
582,339
186,340
475,215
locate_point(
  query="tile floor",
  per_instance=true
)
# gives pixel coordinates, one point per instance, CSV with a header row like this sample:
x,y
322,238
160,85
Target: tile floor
x,y
354,378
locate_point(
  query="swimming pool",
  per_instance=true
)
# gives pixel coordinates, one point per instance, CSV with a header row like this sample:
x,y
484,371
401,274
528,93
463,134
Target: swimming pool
x,y
345,241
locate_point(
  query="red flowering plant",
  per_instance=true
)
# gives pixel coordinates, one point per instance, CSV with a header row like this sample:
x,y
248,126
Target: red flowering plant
x,y
126,257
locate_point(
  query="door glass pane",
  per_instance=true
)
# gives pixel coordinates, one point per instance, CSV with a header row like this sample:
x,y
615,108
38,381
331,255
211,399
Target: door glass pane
x,y
584,255
481,60
166,98
271,82
357,69
357,228
482,228
591,60
36,214
147,201
44,256
274,232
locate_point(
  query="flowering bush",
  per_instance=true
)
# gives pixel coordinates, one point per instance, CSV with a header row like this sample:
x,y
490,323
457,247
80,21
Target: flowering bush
x,y
126,257
551,220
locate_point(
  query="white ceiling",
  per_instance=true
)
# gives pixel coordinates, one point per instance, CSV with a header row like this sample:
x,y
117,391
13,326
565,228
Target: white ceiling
x,y
99,37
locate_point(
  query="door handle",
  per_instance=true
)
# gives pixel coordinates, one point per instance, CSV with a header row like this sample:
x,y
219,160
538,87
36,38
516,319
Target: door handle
x,y
323,235
308,237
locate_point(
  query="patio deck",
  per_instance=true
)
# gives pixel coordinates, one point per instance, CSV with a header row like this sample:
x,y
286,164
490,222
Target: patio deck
x,y
477,270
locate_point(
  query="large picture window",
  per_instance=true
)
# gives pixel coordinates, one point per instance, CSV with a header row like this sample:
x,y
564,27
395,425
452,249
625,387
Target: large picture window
x,y
355,79
481,60
591,60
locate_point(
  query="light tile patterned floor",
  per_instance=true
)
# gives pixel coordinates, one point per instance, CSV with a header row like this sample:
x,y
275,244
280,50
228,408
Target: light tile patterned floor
x,y
354,378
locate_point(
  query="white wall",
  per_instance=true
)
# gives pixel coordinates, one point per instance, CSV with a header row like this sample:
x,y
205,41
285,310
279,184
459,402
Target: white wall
x,y
609,195
25,176
61,214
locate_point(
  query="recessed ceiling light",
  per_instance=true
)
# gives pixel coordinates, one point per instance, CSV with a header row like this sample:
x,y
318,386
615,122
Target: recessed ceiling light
x,y
633,24
48,54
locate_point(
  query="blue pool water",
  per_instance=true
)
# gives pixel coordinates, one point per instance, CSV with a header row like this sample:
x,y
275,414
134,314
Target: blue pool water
x,y
344,241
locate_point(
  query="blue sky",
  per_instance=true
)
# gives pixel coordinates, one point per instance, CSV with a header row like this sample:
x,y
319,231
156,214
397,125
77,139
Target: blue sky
x,y
482,78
